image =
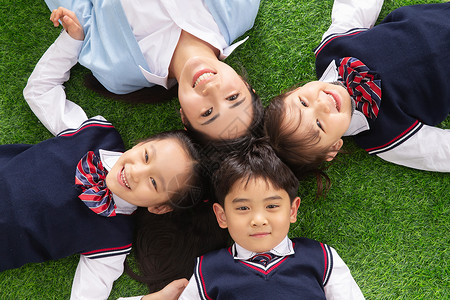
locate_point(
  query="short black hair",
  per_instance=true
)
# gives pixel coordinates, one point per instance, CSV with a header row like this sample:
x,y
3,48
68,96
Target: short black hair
x,y
257,161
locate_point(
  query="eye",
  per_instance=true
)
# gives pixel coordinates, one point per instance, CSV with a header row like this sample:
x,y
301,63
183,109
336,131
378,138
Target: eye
x,y
271,206
154,183
233,97
319,124
242,208
207,113
146,157
303,102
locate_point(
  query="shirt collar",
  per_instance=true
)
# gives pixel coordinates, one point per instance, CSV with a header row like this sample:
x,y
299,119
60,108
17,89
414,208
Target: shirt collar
x,y
282,249
358,122
109,158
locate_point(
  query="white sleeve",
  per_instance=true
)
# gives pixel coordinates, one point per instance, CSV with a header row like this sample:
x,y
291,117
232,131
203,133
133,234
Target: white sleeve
x,y
44,92
94,278
428,149
191,291
341,285
349,14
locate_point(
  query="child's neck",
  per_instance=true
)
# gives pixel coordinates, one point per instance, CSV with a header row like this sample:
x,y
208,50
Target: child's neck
x,y
189,46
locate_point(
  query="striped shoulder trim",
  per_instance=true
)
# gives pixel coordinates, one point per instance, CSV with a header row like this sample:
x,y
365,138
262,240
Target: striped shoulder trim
x,y
84,125
328,259
397,140
108,252
331,37
200,280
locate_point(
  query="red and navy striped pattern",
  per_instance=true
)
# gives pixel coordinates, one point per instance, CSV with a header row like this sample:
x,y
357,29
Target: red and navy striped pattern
x,y
410,131
328,259
90,176
108,252
363,85
331,37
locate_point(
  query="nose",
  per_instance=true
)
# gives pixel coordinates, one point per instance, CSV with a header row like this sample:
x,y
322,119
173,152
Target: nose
x,y
322,105
211,87
259,219
138,171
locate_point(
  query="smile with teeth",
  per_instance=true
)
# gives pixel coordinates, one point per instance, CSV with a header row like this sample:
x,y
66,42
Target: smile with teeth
x,y
124,179
334,101
203,77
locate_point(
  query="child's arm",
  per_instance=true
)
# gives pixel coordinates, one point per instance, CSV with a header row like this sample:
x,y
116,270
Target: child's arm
x,y
341,285
170,292
350,14
94,278
428,149
191,291
44,91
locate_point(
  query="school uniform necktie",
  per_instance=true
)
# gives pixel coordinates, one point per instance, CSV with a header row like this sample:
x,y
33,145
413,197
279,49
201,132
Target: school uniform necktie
x,y
363,85
263,258
90,176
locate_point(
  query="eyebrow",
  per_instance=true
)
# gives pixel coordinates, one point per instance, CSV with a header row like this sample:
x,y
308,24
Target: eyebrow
x,y
218,115
211,120
239,200
163,182
238,103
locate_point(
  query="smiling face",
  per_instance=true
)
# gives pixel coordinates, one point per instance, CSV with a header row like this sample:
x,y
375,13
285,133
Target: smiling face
x,y
257,215
149,173
319,106
214,98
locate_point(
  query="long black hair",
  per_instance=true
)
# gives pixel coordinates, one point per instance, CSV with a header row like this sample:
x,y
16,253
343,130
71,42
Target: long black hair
x,y
166,246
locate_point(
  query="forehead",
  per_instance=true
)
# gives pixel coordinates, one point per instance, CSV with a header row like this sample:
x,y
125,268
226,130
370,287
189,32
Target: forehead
x,y
169,156
254,189
297,124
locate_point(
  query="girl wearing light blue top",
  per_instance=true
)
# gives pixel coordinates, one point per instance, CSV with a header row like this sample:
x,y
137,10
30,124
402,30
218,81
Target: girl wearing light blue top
x,y
131,44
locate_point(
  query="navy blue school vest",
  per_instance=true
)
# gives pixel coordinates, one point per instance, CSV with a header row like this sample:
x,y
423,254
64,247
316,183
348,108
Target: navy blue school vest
x,y
410,50
298,276
41,216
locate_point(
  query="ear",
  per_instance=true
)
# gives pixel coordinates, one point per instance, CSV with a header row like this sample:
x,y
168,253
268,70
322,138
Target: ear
x,y
334,149
294,209
183,117
160,209
220,215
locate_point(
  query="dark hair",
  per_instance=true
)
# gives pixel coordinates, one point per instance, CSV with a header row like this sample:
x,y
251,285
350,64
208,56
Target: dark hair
x,y
166,245
153,94
192,190
301,155
257,161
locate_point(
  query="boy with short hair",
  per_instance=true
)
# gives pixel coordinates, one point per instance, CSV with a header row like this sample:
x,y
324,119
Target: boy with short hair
x,y
395,74
257,201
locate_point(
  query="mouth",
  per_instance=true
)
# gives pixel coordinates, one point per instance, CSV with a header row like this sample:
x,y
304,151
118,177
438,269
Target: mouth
x,y
334,99
260,234
123,179
202,76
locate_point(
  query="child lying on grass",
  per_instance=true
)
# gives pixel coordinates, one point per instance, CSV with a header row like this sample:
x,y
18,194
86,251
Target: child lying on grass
x,y
257,201
395,74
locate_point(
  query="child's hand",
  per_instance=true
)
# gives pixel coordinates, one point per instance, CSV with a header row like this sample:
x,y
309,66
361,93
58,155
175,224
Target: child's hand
x,y
69,21
172,291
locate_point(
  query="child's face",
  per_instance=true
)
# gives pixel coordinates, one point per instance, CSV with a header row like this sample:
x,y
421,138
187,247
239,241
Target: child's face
x,y
214,98
149,173
324,107
257,215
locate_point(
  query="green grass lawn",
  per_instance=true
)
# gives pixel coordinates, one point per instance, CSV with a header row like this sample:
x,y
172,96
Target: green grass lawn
x,y
390,224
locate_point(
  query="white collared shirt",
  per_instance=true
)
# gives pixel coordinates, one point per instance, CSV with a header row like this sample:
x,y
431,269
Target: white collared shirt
x,y
158,36
282,249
